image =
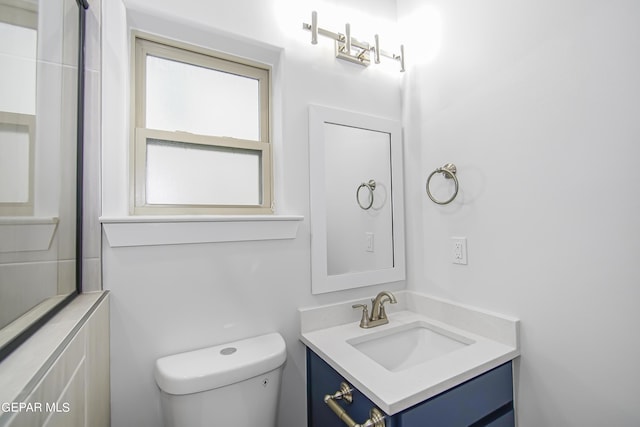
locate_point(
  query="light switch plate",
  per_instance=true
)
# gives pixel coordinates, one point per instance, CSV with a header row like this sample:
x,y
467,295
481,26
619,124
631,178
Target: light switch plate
x,y
369,238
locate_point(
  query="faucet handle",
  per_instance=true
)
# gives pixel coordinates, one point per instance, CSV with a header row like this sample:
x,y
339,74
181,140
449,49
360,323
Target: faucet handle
x,y
383,314
364,322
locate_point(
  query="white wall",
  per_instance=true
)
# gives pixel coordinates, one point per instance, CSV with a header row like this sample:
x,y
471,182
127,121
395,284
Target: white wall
x,y
168,299
537,103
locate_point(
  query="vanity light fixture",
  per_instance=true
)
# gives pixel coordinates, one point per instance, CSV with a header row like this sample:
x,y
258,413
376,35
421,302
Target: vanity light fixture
x,y
351,49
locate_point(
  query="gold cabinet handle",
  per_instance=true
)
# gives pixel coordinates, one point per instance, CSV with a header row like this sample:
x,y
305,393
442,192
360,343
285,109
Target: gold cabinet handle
x,y
376,416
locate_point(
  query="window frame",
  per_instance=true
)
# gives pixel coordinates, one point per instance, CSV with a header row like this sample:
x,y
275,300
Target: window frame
x,y
29,121
145,44
20,13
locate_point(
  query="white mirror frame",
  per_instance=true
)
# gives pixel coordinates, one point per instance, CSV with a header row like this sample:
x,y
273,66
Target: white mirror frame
x,y
321,282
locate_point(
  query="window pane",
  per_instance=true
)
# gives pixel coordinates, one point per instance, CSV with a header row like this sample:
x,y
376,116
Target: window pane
x,y
17,69
14,163
194,174
189,98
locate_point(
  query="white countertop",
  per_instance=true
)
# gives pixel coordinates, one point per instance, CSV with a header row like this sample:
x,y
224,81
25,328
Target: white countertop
x,y
493,337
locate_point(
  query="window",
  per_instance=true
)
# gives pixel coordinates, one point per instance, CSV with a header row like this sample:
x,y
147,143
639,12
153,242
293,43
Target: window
x,y
201,139
18,48
16,163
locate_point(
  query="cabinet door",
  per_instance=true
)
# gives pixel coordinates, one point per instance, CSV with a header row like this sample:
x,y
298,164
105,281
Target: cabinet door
x,y
506,420
478,402
322,379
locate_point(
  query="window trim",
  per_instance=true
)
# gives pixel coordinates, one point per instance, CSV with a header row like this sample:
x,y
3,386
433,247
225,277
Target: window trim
x,y
20,13
28,120
144,44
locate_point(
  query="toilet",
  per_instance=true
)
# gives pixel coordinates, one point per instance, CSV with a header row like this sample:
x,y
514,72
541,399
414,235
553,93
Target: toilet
x,y
235,384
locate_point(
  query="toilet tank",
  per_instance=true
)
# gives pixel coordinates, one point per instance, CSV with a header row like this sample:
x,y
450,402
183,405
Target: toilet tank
x,y
235,384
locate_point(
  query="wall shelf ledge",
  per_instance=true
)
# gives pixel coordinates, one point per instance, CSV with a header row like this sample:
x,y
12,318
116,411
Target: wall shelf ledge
x,y
26,233
155,230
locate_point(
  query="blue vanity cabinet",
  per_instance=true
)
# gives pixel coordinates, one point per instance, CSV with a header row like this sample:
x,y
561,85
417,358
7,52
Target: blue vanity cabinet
x,y
484,401
322,379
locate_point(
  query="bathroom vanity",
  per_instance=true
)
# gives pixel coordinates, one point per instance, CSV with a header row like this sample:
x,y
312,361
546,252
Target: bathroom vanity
x,y
486,400
434,363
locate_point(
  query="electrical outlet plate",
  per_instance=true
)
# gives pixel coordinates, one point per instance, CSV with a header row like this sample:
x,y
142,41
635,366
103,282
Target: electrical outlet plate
x,y
459,250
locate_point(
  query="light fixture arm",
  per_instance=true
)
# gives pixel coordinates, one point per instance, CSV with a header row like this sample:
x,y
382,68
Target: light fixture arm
x,y
350,48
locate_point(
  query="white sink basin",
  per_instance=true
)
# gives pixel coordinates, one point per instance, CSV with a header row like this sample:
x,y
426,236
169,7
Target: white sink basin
x,y
400,348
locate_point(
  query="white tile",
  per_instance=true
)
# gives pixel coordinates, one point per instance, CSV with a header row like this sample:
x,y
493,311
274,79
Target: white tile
x,y
98,373
91,275
48,128
70,33
23,286
18,369
50,15
52,387
93,35
70,409
91,181
66,276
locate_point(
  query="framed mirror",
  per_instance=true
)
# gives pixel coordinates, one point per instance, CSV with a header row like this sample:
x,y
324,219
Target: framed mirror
x,y
41,129
356,191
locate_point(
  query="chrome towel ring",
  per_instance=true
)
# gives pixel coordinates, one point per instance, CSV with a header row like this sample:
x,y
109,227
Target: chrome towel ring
x,y
449,171
371,186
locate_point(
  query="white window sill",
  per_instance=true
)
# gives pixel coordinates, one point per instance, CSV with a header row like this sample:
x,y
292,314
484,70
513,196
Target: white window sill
x,y
26,233
186,229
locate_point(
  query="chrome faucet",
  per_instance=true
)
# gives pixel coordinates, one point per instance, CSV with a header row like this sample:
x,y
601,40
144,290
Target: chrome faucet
x,y
378,315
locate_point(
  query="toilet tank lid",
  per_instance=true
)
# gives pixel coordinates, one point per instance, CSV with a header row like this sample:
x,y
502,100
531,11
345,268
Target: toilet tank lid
x,y
213,367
